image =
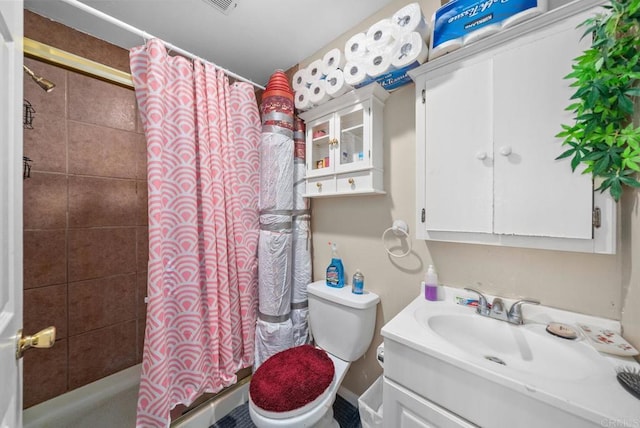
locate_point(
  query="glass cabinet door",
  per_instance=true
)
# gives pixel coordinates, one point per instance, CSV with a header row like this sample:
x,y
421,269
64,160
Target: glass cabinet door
x,y
322,142
351,146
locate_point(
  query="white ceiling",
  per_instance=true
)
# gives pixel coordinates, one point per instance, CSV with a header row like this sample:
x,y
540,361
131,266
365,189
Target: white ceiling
x,y
256,38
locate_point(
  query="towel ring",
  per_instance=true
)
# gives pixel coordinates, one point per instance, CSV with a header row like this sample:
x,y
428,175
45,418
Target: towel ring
x,y
400,229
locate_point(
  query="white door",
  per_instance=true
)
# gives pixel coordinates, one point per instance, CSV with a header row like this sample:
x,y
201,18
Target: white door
x,y
10,211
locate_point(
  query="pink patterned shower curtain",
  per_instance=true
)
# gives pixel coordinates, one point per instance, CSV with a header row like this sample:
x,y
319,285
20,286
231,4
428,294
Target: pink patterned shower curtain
x,y
203,179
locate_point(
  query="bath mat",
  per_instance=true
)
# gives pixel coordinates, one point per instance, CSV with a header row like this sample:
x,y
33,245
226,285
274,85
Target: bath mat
x,y
346,415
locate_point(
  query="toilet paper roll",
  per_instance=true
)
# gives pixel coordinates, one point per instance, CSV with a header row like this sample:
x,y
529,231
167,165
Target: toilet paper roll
x,y
481,33
354,73
335,84
300,79
445,47
380,354
318,93
409,19
315,71
379,60
380,34
332,60
302,101
411,48
356,47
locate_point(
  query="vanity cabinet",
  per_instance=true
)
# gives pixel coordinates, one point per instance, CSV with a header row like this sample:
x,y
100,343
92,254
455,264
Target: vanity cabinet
x,y
447,366
344,144
405,409
486,119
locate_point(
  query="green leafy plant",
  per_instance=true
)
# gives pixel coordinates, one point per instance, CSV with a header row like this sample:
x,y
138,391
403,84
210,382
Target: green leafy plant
x,y
607,82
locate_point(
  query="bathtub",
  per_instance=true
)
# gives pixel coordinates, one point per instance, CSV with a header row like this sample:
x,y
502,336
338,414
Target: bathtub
x,y
111,403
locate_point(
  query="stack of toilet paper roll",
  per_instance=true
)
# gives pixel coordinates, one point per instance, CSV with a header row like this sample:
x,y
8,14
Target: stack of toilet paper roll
x,y
392,43
319,81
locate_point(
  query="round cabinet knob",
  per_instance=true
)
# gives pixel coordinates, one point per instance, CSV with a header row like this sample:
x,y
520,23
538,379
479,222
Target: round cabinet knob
x,y
505,150
319,185
351,181
481,155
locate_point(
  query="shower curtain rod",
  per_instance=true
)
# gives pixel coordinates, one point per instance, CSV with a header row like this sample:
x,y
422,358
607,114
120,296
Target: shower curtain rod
x,y
146,36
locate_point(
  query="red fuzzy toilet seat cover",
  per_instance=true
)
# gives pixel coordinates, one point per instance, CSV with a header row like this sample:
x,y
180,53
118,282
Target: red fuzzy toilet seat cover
x,y
292,378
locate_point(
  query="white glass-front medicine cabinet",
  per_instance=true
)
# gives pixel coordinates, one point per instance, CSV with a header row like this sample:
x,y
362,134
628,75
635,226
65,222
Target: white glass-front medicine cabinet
x,y
344,144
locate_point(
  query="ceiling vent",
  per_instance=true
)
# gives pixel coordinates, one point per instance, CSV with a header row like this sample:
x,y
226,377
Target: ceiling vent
x,y
224,6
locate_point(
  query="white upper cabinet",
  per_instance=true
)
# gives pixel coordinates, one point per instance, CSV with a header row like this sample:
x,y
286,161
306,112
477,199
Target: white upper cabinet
x,y
486,118
344,144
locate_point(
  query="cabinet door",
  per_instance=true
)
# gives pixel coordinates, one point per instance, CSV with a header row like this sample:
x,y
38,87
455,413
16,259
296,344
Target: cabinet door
x,y
320,137
534,194
459,175
404,409
352,150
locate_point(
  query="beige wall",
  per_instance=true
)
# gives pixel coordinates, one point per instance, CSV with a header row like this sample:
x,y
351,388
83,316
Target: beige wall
x,y
630,252
602,285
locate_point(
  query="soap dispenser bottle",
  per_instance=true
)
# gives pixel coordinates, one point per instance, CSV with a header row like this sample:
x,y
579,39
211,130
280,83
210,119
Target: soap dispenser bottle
x,y
431,284
335,270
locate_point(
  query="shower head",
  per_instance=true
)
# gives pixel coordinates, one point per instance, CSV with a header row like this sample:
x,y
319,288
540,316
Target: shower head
x,y
45,84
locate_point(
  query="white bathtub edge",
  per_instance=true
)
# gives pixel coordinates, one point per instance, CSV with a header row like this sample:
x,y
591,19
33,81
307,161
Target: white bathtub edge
x,y
88,396
209,413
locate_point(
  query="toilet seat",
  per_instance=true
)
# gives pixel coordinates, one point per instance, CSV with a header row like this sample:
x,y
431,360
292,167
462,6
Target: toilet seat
x,y
295,412
308,414
291,381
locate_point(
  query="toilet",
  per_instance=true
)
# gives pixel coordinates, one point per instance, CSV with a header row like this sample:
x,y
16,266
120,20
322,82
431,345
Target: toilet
x,y
342,325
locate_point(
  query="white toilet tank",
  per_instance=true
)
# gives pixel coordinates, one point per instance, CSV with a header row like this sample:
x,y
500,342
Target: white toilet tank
x,y
341,322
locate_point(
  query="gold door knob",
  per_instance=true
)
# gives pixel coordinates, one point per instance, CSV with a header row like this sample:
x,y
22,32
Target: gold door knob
x,y
42,339
318,185
351,181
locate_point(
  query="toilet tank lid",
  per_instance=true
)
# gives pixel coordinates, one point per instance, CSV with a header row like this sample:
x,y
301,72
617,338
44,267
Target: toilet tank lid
x,y
343,295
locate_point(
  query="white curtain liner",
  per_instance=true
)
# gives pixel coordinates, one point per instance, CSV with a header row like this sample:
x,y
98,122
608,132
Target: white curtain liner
x,y
271,338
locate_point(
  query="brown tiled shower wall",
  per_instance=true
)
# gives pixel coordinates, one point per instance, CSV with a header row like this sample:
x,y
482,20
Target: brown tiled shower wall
x,y
85,221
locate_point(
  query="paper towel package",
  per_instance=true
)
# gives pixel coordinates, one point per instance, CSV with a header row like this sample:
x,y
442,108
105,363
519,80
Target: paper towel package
x,y
456,20
410,19
392,80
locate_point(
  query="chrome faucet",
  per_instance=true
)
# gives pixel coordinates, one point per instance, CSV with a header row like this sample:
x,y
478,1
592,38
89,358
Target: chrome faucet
x,y
514,315
497,308
483,305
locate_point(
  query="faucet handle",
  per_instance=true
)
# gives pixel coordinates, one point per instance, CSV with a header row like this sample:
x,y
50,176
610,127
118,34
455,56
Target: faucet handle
x,y
497,309
515,312
483,306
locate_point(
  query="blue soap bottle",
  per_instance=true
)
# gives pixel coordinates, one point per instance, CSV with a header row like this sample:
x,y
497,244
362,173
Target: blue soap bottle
x,y
335,270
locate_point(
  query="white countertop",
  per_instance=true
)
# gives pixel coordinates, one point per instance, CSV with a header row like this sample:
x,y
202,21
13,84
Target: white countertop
x,y
595,394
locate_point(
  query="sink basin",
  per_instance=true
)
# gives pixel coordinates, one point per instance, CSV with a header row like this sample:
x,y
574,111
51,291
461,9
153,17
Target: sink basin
x,y
472,368
528,349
